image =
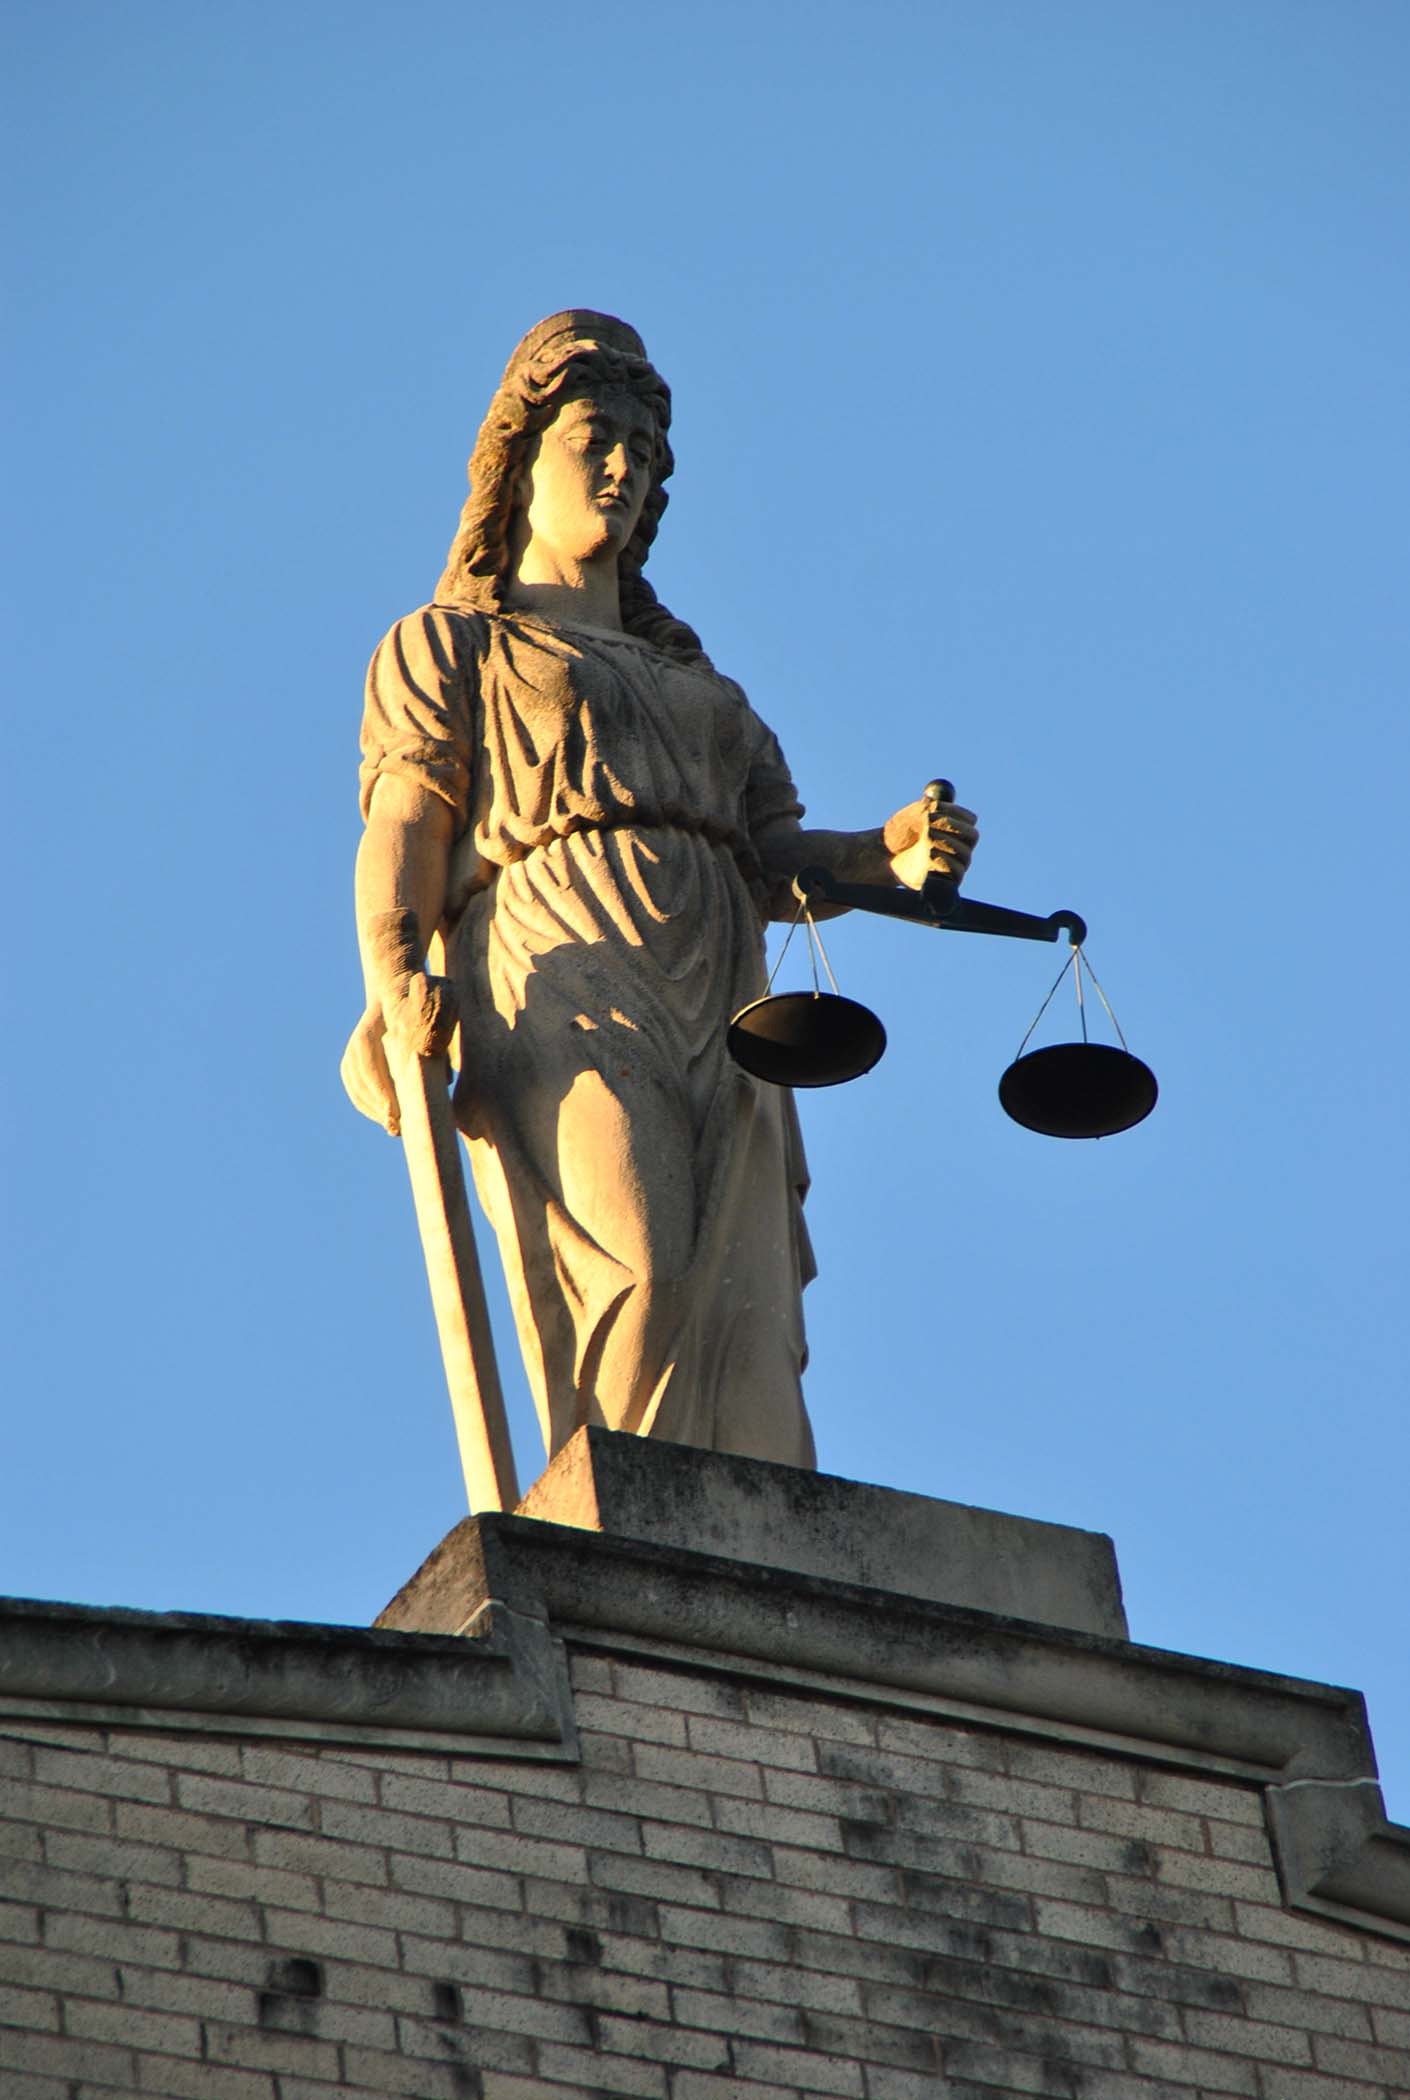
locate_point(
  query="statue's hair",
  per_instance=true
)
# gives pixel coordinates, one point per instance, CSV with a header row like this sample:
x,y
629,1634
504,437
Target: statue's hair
x,y
567,356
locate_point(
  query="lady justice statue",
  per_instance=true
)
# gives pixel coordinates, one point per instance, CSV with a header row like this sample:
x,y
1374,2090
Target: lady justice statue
x,y
557,780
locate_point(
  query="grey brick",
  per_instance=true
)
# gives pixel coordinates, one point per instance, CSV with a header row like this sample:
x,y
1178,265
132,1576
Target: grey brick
x,y
884,1771
120,1859
514,1853
203,1997
162,2033
203,1836
18,1921
1231,1800
450,1799
836,1876
689,1968
1309,2009
28,2008
571,1821
662,2043
830,1797
604,1753
782,1983
941,1741
326,1776
1391,2029
777,1825
658,1879
116,1778
223,1917
1179,2061
241,1877
648,1797
16,1758
1086,1771
394,1909
1331,2052
54,1807
588,1671
21,1841
791,1906
112,1939
57,1969
876,1960
1087,1848
692,1847
450,1881
174,2076
501,2085
257,2049
54,1888
70,2057
274,1807
197,1753
737,2013
707,2085
801,1713
608,2074
381,2073
640,1724
762,1938
1228,1877
1256,2038
325,1857
688,1768
797,2067
1139,1819
869,2041
606,1910
1238,1841
604,1989
915,1927
426,1836
1176,1906
340,1939
1316,2085
762,1746
1263,1921
678,1691
1013,1796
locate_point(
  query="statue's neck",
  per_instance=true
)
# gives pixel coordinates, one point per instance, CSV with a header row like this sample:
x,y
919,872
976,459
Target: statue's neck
x,y
577,593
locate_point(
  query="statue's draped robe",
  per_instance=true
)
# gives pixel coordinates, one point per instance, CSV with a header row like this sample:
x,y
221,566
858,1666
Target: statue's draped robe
x,y
645,1192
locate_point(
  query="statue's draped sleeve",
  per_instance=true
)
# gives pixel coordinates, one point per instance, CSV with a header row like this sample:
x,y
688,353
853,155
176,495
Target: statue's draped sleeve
x,y
419,709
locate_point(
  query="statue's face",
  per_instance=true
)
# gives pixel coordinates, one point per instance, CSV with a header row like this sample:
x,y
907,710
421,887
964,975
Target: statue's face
x,y
589,475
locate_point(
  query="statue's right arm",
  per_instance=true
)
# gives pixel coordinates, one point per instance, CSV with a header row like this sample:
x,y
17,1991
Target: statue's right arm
x,y
402,870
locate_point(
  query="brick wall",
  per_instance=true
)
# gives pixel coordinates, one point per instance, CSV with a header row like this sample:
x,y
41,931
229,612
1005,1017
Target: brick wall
x,y
739,1889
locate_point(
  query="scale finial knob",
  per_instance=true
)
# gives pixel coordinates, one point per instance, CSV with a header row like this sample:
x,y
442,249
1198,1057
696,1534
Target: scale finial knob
x,y
938,791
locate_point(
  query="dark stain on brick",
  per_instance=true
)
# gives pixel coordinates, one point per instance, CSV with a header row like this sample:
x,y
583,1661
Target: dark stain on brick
x,y
289,2002
583,1945
1140,1858
446,2003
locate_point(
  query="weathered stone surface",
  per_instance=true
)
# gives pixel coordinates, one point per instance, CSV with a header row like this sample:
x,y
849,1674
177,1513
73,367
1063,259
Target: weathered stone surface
x,y
816,1524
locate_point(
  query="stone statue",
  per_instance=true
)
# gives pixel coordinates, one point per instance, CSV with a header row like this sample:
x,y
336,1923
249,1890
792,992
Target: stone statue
x,y
556,778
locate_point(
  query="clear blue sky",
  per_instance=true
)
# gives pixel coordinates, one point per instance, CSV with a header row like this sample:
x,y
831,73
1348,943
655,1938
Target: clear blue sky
x,y
1042,420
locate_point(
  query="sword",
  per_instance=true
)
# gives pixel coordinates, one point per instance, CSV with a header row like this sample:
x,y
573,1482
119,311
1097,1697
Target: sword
x,y
431,1145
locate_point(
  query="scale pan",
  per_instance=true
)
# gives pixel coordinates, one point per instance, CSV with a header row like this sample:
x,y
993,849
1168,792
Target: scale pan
x,y
1078,1090
806,1039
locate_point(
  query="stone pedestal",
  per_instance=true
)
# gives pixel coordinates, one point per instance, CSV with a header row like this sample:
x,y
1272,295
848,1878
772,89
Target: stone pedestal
x,y
813,1524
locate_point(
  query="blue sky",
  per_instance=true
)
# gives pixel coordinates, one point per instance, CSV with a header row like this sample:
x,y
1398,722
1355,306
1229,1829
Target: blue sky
x,y
1041,420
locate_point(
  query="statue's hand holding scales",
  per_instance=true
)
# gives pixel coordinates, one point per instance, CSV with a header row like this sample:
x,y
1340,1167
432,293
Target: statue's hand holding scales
x,y
557,780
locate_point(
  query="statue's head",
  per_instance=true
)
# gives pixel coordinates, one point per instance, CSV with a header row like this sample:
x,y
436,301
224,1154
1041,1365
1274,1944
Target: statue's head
x,y
572,356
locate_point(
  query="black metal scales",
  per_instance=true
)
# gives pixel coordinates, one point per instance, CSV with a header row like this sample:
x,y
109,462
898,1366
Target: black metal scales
x,y
817,1038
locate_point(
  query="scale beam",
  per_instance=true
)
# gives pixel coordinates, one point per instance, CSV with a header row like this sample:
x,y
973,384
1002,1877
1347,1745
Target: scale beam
x,y
937,903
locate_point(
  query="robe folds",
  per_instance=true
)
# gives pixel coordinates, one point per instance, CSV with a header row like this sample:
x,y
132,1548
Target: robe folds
x,y
605,921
